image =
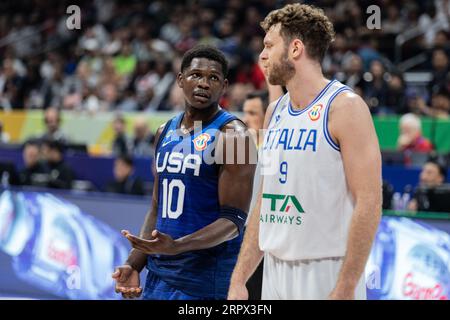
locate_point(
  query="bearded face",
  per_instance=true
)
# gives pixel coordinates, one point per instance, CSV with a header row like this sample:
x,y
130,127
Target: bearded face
x,y
281,71
275,58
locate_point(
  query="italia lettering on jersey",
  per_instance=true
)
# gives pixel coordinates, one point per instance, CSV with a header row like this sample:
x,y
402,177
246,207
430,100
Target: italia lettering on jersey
x,y
291,139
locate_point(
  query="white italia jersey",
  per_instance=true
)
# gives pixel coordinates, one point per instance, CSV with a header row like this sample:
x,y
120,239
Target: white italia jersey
x,y
306,203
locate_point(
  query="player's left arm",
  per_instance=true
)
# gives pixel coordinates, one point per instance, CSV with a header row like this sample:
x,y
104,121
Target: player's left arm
x,y
351,126
235,191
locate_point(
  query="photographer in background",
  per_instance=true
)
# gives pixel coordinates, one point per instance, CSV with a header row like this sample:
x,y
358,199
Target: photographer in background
x,y
124,181
433,175
60,174
35,172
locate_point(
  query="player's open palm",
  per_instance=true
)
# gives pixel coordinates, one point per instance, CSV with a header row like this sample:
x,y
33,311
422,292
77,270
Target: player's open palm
x,y
160,243
127,282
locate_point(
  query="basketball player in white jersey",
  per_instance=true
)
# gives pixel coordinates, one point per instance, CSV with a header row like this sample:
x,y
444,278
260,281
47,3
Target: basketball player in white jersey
x,y
320,200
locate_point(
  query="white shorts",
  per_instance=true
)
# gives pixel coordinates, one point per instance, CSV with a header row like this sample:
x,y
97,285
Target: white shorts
x,y
303,279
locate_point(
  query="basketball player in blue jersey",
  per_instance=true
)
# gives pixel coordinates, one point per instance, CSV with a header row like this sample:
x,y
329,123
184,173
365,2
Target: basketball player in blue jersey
x,y
192,234
319,203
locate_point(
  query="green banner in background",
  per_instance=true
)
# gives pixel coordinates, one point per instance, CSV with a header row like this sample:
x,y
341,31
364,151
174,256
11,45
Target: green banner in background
x,y
417,214
437,130
96,130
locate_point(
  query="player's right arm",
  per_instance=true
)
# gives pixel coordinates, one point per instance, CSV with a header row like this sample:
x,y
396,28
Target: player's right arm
x,y
250,254
127,275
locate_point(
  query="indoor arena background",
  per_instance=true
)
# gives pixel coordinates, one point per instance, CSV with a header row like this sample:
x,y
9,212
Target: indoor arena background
x,y
101,75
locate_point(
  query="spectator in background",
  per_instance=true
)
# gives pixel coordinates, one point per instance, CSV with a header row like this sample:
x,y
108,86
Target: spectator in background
x,y
250,72
354,73
23,36
393,22
124,181
433,174
395,95
368,51
60,174
53,86
254,111
388,192
376,88
440,105
121,143
109,97
106,66
52,121
432,21
142,83
143,139
412,102
411,10
338,55
440,69
442,41
126,61
127,102
12,85
176,97
35,172
411,138
4,136
162,78
236,96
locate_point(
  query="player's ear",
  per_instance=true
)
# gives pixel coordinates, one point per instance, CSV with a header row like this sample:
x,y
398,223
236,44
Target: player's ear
x,y
180,79
297,48
225,85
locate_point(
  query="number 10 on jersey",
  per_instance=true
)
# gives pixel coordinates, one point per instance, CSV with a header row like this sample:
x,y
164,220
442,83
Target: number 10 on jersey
x,y
168,197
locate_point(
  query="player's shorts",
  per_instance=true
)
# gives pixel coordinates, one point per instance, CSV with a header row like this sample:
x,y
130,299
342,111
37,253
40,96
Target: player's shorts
x,y
157,289
303,279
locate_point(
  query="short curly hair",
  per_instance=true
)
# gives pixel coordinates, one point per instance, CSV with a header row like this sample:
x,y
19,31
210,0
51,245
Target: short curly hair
x,y
208,52
305,22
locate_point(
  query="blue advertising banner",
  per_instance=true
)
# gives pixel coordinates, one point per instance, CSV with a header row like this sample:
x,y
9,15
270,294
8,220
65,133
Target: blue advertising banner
x,y
410,260
57,248
64,245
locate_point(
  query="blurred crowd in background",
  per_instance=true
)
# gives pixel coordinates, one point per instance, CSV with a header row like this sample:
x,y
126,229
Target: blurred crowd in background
x,y
127,53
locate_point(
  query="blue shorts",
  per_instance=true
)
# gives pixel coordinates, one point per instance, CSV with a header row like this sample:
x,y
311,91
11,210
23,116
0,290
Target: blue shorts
x,y
157,289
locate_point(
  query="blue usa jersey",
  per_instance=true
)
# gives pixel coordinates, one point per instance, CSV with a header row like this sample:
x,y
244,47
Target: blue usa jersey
x,y
188,200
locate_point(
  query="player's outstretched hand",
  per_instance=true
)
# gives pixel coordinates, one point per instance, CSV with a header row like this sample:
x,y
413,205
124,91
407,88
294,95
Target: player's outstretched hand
x,y
237,292
160,244
127,282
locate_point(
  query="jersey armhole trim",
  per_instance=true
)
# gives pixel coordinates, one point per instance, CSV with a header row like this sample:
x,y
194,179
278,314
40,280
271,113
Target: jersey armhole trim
x,y
325,119
275,109
163,134
233,118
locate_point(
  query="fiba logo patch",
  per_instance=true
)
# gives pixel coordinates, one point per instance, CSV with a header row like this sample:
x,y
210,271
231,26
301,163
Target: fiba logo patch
x,y
201,141
314,113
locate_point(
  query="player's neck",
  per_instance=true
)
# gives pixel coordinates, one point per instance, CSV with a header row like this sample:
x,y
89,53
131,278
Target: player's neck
x,y
192,114
305,86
